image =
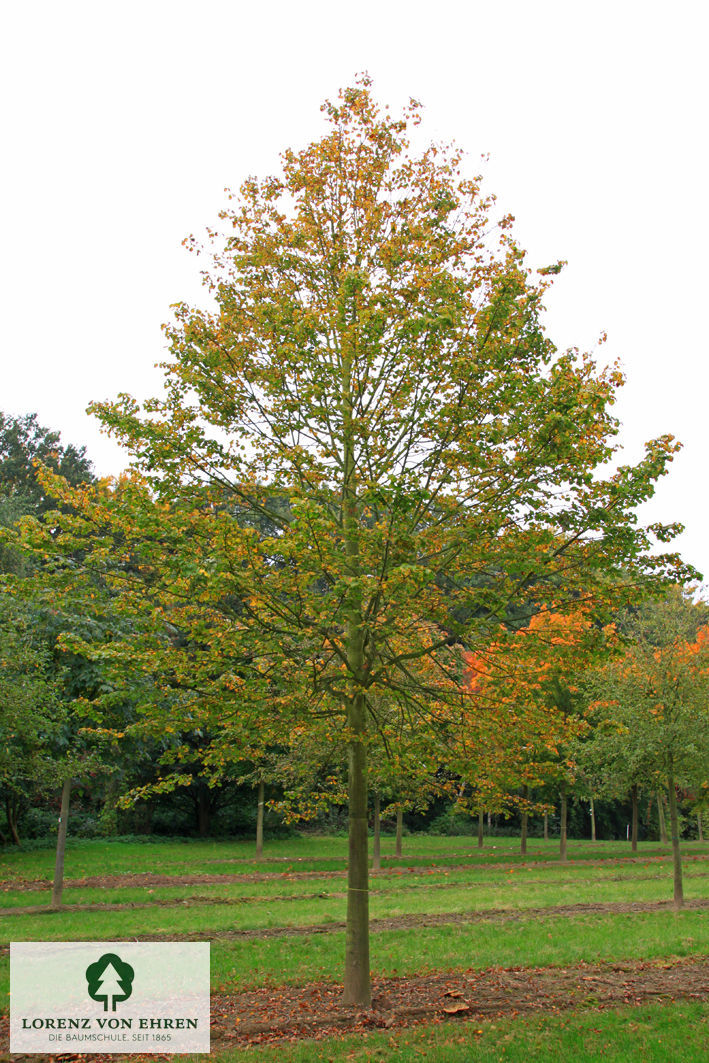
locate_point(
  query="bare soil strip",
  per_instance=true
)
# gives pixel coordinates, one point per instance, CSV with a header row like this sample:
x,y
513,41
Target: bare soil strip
x,y
195,900
315,1010
148,878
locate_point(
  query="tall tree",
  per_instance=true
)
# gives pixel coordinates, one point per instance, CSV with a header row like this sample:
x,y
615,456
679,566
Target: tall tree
x,y
652,704
24,443
374,355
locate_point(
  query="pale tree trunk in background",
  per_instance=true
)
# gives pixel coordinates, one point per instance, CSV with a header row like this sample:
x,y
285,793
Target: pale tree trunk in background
x,y
674,829
704,817
593,820
259,820
661,818
700,829
58,886
358,989
546,826
399,830
377,843
525,824
634,829
489,822
11,813
481,835
562,823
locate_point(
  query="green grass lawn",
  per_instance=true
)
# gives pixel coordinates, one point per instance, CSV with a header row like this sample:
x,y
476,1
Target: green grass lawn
x,y
309,852
493,878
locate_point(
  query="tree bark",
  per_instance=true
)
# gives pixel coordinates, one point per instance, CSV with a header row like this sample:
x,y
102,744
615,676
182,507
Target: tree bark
x,y
58,885
358,989
661,818
377,841
525,824
634,827
399,830
674,830
593,820
11,813
562,823
259,820
481,835
546,826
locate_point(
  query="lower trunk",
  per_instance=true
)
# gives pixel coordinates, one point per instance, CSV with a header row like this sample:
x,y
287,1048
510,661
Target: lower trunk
x,y
700,830
259,820
634,828
58,885
546,826
377,841
399,830
593,820
358,988
11,813
676,856
481,822
525,823
661,818
562,824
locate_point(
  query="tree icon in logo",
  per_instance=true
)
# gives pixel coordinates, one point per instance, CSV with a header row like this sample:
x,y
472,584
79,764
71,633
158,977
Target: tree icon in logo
x,y
110,980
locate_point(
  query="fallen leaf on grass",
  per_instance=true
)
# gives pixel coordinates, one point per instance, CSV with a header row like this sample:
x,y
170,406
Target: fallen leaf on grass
x,y
455,1009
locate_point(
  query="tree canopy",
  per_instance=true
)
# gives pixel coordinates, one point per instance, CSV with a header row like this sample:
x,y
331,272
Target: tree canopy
x,y
366,454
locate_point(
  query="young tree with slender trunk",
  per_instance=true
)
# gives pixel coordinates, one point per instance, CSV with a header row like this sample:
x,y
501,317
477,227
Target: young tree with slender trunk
x,y
374,355
652,706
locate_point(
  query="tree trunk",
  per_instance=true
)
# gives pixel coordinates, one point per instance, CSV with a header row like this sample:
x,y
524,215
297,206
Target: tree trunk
x,y
11,813
674,829
700,831
399,830
58,886
525,823
358,989
634,830
593,820
562,823
481,836
377,841
546,826
489,822
661,818
259,820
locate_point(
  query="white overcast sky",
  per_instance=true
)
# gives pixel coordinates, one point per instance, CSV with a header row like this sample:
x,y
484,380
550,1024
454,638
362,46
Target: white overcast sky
x,y
123,123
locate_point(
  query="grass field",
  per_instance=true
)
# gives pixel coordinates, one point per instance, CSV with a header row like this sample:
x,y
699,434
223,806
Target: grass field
x,y
446,906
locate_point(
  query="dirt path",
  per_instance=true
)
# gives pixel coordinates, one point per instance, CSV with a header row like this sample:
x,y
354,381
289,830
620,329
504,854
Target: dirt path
x,y
315,1010
151,879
